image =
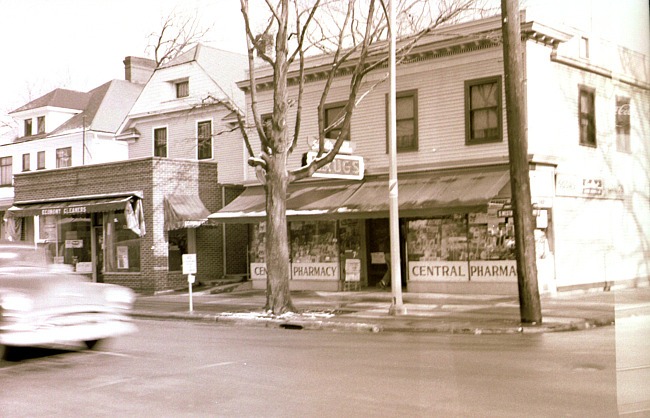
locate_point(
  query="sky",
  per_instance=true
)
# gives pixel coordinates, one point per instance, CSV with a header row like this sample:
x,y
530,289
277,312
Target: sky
x,y
81,44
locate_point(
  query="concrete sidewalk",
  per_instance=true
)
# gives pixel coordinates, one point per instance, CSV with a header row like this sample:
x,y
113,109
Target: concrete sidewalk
x,y
367,310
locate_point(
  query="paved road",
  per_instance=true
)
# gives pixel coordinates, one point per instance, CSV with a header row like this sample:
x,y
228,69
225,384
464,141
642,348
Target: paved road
x,y
193,369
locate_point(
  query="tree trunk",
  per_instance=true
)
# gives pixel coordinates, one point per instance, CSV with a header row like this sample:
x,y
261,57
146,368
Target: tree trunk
x,y
278,296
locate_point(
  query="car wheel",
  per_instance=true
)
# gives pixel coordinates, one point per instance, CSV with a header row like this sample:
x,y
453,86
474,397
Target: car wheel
x,y
92,344
6,352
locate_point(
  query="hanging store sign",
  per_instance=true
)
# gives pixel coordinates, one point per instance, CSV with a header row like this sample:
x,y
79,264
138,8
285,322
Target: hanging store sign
x,y
342,167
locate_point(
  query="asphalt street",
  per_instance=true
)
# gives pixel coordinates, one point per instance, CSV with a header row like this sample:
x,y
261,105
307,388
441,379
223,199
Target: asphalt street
x,y
178,368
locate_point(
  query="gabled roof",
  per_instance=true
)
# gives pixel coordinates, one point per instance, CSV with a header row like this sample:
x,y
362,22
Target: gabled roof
x,y
67,99
107,107
224,67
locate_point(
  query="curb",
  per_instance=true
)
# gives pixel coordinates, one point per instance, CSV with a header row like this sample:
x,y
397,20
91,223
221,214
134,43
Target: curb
x,y
342,326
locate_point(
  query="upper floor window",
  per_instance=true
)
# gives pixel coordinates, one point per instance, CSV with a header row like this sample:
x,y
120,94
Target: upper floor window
x,y
6,171
28,127
623,124
26,162
483,111
160,142
64,157
204,140
587,112
40,160
407,120
267,124
334,115
182,89
40,123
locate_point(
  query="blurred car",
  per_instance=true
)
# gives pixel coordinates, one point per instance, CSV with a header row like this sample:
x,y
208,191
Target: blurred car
x,y
45,304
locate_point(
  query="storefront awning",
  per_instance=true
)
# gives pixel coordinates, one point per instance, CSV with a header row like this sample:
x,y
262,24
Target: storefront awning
x,y
304,200
420,194
69,207
184,212
429,195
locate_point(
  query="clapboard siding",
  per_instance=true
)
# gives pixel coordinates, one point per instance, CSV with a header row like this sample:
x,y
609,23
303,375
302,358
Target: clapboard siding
x,y
440,85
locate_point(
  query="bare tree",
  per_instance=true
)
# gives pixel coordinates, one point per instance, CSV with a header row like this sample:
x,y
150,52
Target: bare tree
x,y
179,31
353,35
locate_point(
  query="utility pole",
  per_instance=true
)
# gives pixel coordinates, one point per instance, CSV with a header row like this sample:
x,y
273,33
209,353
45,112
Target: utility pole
x,y
529,304
397,306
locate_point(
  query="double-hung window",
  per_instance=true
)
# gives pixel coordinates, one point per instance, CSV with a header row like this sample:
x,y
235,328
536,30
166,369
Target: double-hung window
x,y
334,115
160,142
64,157
483,111
623,124
40,160
182,89
406,116
6,171
28,127
587,111
26,162
204,131
40,124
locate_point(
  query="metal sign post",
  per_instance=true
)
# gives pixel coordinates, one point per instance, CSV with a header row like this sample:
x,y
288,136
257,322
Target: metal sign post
x,y
189,268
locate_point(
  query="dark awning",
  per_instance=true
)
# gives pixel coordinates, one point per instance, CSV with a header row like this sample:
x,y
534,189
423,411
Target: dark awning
x,y
420,194
70,207
304,200
184,212
426,194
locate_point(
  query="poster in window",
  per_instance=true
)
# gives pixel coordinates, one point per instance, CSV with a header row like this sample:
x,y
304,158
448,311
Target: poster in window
x,y
122,257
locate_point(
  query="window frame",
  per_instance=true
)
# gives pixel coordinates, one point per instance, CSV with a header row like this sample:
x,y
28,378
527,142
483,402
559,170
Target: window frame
x,y
468,110
40,124
591,117
153,140
28,124
40,166
6,169
182,88
416,137
623,132
335,105
61,160
26,162
198,139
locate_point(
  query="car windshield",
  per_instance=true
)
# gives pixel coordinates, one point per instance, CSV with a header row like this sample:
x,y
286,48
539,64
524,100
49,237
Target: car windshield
x,y
21,257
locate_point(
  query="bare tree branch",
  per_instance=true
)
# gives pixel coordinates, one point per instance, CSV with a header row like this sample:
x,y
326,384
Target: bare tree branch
x,y
178,32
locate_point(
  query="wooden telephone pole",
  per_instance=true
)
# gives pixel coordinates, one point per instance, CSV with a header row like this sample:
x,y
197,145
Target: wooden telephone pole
x,y
529,304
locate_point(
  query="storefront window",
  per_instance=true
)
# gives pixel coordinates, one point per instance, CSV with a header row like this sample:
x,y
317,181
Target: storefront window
x,y
122,246
313,242
177,247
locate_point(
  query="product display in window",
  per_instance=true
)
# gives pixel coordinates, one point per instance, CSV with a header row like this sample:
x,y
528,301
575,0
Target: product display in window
x,y
313,242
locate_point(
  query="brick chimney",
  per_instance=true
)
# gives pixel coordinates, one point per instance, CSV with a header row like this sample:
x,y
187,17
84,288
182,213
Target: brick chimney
x,y
138,70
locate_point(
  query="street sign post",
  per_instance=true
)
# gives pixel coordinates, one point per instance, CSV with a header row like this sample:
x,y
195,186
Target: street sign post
x,y
189,268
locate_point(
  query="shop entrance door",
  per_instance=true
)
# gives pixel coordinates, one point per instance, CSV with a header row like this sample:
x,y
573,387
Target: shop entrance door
x,y
378,245
98,254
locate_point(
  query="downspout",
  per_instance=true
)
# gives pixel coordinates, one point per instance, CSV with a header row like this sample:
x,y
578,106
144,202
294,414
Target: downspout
x,y
223,235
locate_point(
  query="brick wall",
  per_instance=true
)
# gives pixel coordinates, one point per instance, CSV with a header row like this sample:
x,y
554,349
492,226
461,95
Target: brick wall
x,y
154,178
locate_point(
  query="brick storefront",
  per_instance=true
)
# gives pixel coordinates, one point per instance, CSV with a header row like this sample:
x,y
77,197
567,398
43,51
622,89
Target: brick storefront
x,y
152,179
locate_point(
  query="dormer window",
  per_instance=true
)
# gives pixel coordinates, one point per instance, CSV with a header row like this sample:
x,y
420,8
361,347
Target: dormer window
x,y
28,127
182,89
40,122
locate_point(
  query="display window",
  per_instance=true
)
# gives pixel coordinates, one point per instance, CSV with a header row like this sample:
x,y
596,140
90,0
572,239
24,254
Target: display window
x,y
121,245
460,247
177,246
